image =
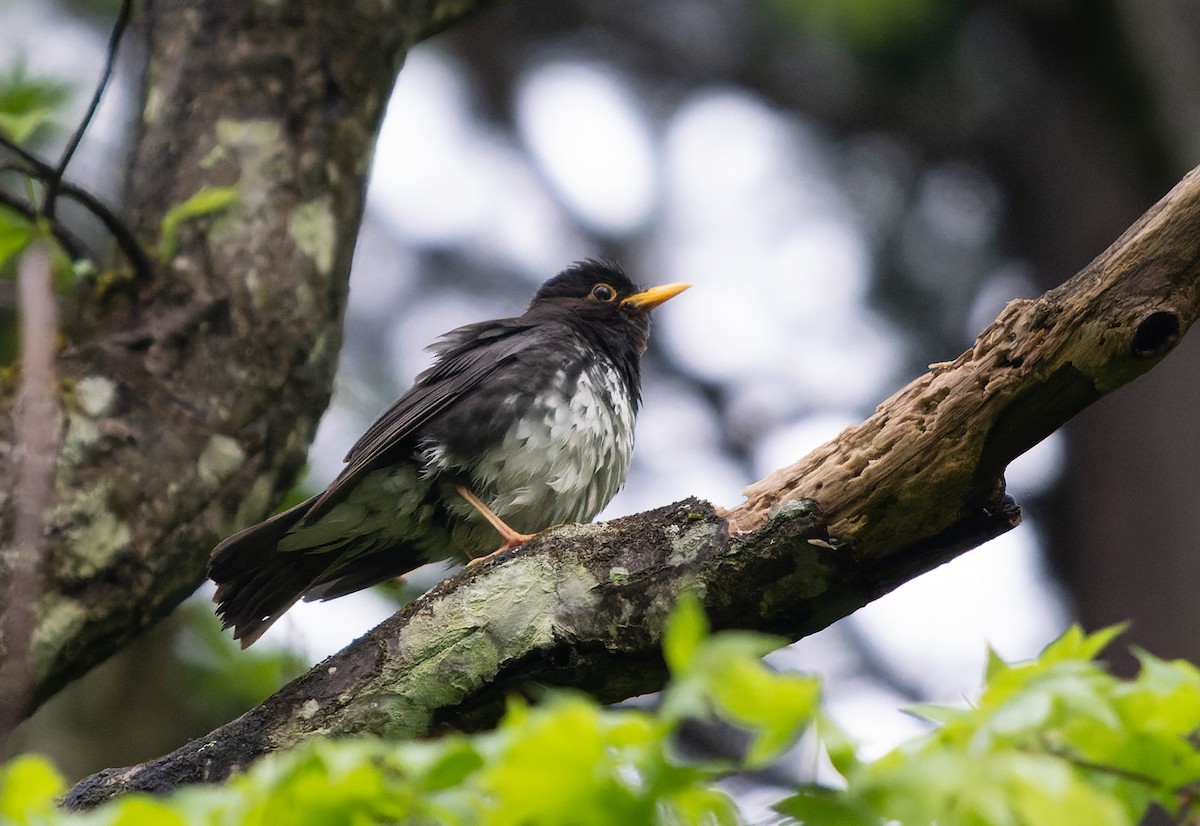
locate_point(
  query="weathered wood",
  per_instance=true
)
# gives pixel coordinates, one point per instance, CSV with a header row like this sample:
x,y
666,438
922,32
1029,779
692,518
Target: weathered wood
x,y
949,435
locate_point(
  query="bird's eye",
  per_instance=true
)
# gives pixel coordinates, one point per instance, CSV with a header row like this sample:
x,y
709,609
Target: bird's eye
x,y
603,292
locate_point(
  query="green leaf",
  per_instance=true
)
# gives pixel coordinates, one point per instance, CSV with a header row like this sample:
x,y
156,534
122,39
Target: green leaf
x,y
15,232
995,665
21,127
1024,712
1054,742
700,804
686,629
29,786
724,673
1074,644
208,201
842,752
555,765
28,105
776,708
1040,790
62,268
137,810
444,764
933,713
820,806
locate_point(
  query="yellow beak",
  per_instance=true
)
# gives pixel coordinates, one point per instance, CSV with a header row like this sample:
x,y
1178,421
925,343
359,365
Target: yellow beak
x,y
651,298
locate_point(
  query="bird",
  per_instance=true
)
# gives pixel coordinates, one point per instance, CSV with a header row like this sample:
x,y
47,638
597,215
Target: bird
x,y
518,425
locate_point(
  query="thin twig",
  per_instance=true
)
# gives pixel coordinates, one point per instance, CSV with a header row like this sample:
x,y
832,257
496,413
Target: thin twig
x,y
114,41
134,252
37,428
37,168
53,176
41,167
1105,768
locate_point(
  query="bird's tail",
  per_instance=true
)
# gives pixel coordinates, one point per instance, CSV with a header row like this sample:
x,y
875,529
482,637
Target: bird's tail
x,y
256,583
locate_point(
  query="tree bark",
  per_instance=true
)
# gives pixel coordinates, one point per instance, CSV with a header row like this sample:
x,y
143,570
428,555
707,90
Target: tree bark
x,y
190,393
914,485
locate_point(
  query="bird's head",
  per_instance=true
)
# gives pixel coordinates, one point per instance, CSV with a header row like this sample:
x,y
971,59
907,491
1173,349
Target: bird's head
x,y
602,297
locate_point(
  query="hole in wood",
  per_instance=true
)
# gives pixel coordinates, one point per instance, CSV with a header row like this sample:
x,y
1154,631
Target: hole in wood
x,y
1157,334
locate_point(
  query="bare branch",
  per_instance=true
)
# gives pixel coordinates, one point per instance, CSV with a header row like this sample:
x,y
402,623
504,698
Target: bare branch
x,y
37,427
114,41
1040,363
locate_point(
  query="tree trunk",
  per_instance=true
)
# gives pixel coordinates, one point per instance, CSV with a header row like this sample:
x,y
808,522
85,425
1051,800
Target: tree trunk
x,y
190,393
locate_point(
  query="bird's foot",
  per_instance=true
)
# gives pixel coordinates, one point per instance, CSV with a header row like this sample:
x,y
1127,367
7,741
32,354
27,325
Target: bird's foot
x,y
515,540
512,539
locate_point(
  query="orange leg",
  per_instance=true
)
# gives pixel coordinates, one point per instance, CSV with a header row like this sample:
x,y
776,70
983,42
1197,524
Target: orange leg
x,y
511,538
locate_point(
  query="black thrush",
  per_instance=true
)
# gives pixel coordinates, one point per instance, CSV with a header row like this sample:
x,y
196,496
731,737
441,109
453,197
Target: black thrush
x,y
520,424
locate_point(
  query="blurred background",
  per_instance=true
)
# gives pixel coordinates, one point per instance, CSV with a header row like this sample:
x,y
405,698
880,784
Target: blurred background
x,y
855,187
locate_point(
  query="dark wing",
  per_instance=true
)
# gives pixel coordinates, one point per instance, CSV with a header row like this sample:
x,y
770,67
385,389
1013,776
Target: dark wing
x,y
465,357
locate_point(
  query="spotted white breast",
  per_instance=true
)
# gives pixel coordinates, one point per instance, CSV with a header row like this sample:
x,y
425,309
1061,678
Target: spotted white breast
x,y
559,462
